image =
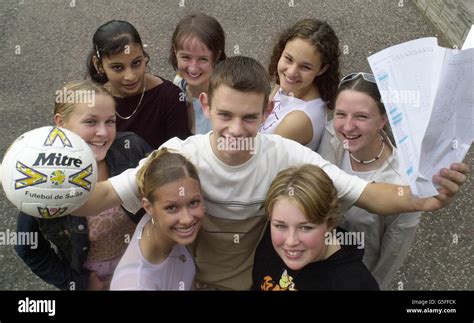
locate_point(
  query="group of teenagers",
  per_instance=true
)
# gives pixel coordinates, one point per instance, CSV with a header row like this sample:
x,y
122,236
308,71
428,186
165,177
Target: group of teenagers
x,y
172,210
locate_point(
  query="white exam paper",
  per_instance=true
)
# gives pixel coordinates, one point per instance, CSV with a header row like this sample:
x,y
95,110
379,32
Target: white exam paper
x,y
427,91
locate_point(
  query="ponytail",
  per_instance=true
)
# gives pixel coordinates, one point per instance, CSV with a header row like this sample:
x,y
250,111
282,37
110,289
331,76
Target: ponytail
x,y
163,166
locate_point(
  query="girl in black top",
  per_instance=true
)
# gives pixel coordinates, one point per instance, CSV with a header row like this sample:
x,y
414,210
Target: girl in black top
x,y
302,248
150,106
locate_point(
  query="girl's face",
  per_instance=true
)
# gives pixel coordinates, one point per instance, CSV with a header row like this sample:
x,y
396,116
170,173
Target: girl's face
x,y
126,70
195,62
298,66
297,241
95,124
358,121
177,210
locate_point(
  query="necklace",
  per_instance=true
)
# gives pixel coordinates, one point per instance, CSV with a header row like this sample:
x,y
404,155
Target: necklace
x,y
136,108
373,159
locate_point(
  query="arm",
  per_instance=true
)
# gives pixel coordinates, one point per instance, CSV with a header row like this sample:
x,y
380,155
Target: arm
x,y
386,199
121,189
103,197
296,126
44,262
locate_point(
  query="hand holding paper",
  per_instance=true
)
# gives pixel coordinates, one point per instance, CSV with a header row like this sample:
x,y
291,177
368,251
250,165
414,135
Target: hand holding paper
x,y
450,181
428,94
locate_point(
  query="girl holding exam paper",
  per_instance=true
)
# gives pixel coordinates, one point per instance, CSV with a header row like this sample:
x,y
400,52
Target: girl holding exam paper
x,y
356,141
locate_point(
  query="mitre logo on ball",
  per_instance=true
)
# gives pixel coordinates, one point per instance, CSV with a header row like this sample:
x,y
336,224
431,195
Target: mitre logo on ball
x,y
48,172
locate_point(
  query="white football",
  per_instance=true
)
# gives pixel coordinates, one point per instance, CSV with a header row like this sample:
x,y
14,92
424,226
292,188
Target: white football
x,y
48,172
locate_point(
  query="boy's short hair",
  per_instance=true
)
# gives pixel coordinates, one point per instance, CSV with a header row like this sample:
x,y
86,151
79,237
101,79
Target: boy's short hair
x,y
243,74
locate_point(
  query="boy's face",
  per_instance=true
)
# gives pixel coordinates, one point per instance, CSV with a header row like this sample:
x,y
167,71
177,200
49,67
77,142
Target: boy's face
x,y
235,118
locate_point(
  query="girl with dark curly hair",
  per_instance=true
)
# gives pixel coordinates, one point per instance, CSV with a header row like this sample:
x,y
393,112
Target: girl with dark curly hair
x,y
305,68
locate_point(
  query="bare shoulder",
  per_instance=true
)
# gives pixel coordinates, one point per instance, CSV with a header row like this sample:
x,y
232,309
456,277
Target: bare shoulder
x,y
296,126
296,119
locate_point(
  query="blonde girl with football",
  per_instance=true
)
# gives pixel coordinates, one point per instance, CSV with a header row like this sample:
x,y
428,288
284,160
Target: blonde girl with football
x,y
87,249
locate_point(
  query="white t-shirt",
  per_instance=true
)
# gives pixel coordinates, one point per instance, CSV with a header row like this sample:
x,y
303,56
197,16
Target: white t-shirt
x,y
134,272
237,192
315,110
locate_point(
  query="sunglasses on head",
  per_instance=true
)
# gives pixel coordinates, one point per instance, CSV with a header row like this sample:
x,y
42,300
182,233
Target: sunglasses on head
x,y
350,77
